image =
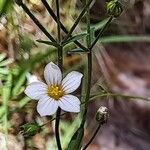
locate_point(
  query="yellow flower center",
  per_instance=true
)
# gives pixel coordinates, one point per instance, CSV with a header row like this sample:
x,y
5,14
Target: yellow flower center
x,y
55,92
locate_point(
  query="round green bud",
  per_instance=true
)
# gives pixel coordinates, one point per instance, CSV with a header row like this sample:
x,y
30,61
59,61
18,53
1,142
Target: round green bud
x,y
102,115
30,129
114,8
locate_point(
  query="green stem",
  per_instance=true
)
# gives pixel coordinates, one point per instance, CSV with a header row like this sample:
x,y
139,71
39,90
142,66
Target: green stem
x,y
52,120
119,95
60,64
35,20
89,67
57,129
49,9
101,32
79,18
92,138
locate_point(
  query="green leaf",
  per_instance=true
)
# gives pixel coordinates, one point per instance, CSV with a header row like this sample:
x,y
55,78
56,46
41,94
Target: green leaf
x,y
2,111
74,38
26,43
77,51
19,83
68,132
96,26
48,43
92,34
6,94
4,71
5,5
100,24
125,38
75,142
2,56
5,62
23,102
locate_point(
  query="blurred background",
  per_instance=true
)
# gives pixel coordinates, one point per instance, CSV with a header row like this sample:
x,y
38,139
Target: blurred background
x,y
121,64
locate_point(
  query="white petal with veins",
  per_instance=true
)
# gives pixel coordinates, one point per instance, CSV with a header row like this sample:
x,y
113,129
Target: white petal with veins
x,y
52,74
69,103
36,90
72,81
47,106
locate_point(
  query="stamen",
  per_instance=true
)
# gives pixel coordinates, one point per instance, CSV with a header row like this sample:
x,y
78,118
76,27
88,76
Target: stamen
x,y
55,92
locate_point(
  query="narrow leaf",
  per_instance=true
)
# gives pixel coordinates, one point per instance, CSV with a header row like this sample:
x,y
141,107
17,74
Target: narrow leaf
x,y
74,38
125,38
77,51
4,71
48,43
2,56
6,62
19,83
75,142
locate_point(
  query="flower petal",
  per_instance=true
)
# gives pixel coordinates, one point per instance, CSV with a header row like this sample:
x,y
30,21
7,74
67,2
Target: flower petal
x,y
31,78
72,81
36,90
47,106
52,74
69,103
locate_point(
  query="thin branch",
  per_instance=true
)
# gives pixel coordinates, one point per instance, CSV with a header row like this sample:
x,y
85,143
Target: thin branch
x,y
79,18
60,64
119,95
49,9
35,20
101,32
92,138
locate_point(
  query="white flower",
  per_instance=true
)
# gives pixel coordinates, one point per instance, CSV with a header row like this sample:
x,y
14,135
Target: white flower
x,y
56,93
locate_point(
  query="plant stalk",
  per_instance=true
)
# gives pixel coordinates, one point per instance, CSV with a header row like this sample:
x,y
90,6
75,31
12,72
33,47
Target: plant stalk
x,y
101,32
35,20
86,7
89,68
60,64
92,138
49,9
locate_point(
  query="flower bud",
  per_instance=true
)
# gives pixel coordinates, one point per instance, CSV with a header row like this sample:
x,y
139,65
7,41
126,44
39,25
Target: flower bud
x,y
102,115
114,8
30,129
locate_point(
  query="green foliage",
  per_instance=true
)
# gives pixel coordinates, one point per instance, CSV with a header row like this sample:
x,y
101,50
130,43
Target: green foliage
x,y
77,51
30,129
3,65
48,43
26,43
5,5
125,39
75,142
74,38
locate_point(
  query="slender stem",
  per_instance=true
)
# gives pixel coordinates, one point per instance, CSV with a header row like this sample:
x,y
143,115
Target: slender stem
x,y
101,32
60,64
35,20
49,9
119,95
58,20
92,138
79,18
89,67
57,129
52,120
